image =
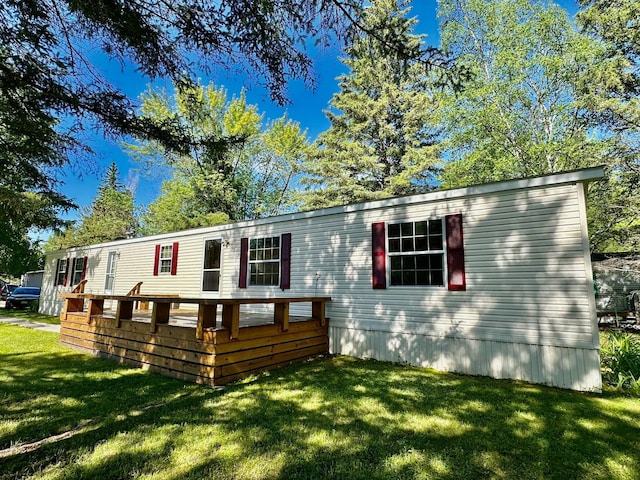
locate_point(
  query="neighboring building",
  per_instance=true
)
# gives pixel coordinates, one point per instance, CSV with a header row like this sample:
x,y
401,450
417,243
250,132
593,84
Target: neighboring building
x,y
32,279
490,280
617,277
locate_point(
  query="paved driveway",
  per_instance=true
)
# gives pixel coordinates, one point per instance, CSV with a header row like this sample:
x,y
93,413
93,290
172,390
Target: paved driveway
x,y
45,327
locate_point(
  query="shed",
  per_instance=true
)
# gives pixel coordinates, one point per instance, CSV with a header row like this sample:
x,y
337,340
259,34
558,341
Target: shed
x,y
617,283
492,279
32,278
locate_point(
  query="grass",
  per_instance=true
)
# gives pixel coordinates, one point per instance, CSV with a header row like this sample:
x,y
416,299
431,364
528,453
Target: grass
x,y
29,315
64,415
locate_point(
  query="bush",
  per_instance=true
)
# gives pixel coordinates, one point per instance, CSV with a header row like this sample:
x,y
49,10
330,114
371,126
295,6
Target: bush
x,y
34,306
620,357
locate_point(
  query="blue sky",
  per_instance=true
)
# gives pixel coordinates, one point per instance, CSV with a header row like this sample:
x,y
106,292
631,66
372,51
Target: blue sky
x,y
306,108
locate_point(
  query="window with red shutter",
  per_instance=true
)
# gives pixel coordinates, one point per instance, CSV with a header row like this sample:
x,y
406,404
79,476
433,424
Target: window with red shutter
x,y
174,258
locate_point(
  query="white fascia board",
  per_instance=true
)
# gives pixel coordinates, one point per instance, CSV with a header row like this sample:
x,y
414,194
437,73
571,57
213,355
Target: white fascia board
x,y
576,176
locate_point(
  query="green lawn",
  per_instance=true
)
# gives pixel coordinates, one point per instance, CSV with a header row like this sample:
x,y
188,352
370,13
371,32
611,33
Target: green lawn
x,y
64,415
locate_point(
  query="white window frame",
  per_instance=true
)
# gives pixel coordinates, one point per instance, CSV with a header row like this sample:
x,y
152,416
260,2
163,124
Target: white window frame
x,y
442,251
62,269
164,262
262,261
110,274
75,270
204,245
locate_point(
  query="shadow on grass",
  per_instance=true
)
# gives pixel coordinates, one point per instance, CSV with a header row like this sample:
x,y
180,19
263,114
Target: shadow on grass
x,y
329,418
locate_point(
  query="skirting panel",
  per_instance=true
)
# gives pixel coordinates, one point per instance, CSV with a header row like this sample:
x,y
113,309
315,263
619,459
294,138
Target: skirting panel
x,y
563,367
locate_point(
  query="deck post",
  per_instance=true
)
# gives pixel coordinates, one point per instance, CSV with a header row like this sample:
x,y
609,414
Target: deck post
x,y
231,318
159,314
281,315
96,307
318,312
124,311
206,318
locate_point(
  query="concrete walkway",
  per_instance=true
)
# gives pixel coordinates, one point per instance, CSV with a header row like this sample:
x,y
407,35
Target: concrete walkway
x,y
20,322
45,327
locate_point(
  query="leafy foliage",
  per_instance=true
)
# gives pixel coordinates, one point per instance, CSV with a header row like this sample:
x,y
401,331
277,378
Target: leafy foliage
x,y
177,208
519,116
609,93
620,357
238,170
51,88
18,253
537,106
382,138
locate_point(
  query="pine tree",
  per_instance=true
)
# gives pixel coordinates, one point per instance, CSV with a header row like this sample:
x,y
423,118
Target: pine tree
x,y
382,139
111,215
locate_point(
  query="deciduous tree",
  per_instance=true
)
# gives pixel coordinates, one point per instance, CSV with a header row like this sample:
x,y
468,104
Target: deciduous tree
x,y
249,178
519,116
52,86
610,95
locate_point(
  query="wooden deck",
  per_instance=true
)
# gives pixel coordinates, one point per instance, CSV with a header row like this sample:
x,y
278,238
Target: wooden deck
x,y
205,346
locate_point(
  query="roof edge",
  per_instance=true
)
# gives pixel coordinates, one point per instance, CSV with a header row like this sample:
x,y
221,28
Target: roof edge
x,y
584,175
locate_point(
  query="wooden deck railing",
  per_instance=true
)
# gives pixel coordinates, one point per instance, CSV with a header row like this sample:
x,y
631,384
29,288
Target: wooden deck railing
x,y
207,309
202,353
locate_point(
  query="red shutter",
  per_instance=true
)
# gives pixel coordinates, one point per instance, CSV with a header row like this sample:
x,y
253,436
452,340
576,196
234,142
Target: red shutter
x,y
55,275
156,262
72,270
84,267
244,258
66,273
285,262
174,258
455,253
379,256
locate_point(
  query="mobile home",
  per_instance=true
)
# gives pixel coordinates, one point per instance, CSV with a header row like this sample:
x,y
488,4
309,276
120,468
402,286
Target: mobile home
x,y
492,279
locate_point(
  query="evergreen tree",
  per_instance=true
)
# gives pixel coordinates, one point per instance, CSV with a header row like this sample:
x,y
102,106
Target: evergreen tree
x,y
110,217
382,139
52,84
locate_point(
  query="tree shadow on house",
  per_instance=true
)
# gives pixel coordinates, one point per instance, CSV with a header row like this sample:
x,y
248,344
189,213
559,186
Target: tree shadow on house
x,y
526,311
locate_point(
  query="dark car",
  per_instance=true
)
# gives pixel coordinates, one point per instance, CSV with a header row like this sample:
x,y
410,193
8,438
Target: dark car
x,y
6,290
22,297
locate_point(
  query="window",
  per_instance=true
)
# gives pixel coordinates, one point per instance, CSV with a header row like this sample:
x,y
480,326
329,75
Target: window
x,y
61,271
166,253
416,253
264,261
211,268
166,259
78,269
110,276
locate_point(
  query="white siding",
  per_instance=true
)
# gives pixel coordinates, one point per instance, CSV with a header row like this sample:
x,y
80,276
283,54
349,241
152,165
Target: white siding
x,y
526,312
574,368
